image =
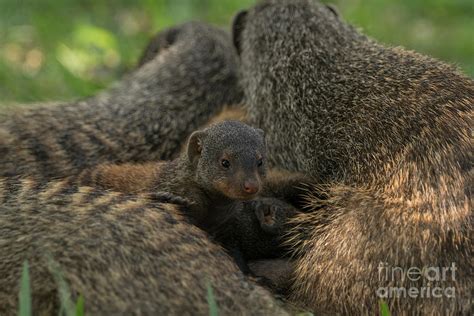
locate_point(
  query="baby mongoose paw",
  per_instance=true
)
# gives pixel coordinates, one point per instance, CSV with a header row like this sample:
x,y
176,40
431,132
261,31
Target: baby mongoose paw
x,y
272,214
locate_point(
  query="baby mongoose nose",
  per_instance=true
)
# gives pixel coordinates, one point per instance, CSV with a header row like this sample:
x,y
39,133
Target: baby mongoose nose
x,y
251,187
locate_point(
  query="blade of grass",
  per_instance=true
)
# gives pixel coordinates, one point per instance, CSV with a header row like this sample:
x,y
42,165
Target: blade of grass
x,y
211,301
67,306
384,311
80,306
25,292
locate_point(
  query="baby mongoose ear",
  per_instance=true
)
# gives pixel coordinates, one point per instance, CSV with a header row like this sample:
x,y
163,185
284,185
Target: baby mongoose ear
x,y
195,145
237,28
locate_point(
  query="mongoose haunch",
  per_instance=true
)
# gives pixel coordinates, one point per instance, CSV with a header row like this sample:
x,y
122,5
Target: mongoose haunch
x,y
127,255
191,77
389,132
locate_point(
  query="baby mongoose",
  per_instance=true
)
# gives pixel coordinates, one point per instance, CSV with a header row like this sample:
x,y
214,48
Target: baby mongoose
x,y
220,171
221,164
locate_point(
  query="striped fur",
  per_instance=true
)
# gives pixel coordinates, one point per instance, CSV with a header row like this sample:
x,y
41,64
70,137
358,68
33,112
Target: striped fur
x,y
146,116
125,254
388,131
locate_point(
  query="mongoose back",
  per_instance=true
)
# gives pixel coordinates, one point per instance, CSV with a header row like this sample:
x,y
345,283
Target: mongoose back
x,y
390,133
125,254
135,120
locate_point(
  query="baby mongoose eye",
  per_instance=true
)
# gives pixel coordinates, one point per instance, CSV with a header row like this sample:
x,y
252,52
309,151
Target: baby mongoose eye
x,y
225,163
260,162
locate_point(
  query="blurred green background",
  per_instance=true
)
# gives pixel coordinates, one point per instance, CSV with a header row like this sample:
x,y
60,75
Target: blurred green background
x,y
63,49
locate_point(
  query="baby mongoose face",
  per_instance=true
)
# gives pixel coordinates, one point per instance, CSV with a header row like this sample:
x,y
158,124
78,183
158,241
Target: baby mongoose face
x,y
229,159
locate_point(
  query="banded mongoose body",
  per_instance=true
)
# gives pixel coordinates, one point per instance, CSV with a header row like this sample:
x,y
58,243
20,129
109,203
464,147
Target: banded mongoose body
x,y
389,133
133,121
125,254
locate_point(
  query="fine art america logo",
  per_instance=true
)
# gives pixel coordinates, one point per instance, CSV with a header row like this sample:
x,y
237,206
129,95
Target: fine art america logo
x,y
416,282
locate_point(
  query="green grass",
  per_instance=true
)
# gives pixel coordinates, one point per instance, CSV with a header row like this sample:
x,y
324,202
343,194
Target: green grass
x,y
67,308
25,292
52,50
384,310
211,301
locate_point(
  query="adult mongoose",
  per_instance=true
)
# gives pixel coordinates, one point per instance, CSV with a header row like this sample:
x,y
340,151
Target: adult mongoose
x,y
133,121
34,151
127,255
389,132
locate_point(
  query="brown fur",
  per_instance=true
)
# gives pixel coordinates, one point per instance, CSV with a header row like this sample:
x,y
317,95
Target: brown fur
x,y
230,113
235,112
389,132
125,254
128,178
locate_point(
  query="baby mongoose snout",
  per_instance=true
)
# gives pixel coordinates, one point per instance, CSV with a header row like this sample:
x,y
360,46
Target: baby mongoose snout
x,y
251,187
